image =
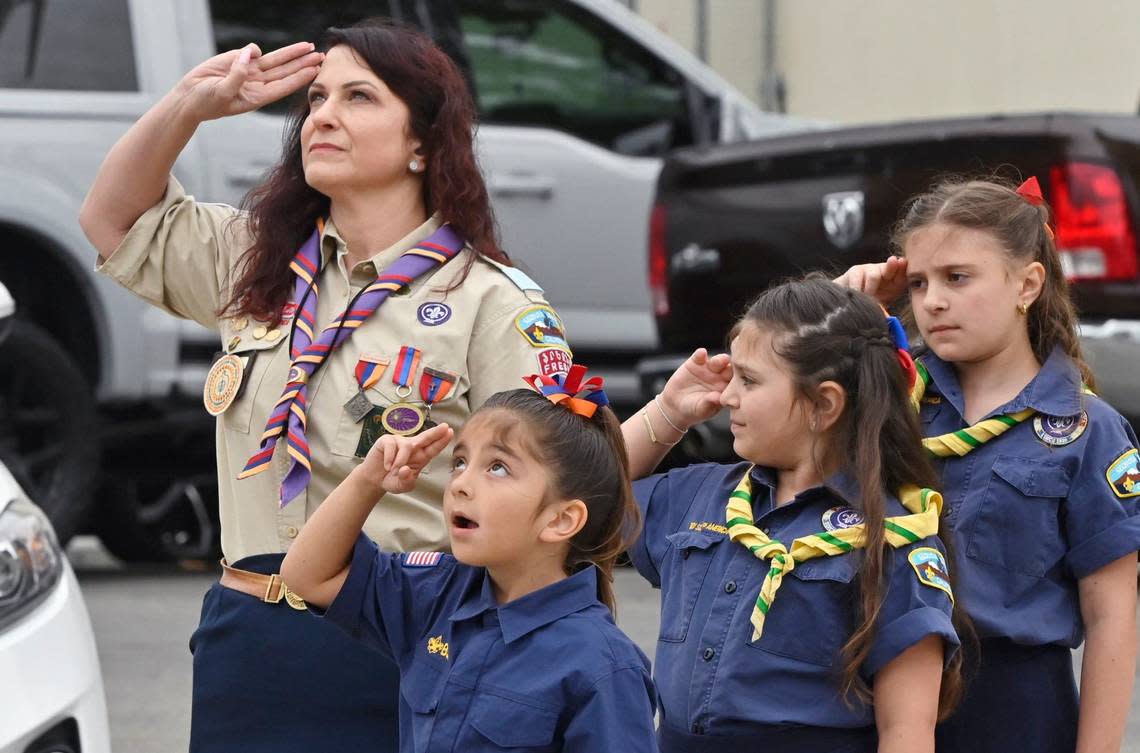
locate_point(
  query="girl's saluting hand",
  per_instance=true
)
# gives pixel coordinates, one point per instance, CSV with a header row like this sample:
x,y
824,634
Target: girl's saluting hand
x,y
394,463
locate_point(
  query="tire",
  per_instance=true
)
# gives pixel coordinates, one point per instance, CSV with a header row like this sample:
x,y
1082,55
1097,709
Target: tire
x,y
48,427
158,493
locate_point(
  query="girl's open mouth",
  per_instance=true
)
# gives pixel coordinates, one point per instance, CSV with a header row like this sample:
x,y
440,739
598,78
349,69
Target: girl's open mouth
x,y
462,521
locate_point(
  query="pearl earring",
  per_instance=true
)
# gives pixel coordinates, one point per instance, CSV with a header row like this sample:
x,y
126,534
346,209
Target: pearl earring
x,y
414,166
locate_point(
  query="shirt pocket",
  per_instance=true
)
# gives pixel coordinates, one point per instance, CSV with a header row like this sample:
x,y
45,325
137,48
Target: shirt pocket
x,y
513,725
812,615
1017,525
385,393
268,357
421,689
683,573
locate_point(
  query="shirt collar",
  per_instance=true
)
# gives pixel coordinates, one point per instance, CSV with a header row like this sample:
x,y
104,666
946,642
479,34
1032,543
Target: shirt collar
x,y
536,609
840,486
1054,391
333,245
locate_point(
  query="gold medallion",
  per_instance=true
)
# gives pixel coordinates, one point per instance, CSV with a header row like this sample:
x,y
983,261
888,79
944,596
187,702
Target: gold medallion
x,y
403,419
222,384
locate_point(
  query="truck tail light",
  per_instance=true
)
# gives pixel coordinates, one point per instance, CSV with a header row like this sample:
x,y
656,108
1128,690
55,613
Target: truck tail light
x,y
658,262
1095,238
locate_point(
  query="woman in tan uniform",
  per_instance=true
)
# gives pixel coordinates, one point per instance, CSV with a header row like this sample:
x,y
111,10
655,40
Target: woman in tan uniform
x,y
360,291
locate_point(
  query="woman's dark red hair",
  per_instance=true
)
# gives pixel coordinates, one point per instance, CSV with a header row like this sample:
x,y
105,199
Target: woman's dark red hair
x,y
283,211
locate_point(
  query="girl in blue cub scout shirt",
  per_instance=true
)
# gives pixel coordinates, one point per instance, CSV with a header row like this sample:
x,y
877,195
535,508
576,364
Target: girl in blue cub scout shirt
x,y
806,597
1036,469
510,644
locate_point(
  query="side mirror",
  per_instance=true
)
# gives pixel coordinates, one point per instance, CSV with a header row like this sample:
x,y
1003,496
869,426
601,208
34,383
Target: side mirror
x,y
7,311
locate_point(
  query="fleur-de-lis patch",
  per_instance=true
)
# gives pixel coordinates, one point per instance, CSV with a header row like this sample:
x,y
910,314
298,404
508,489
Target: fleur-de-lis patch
x,y
437,646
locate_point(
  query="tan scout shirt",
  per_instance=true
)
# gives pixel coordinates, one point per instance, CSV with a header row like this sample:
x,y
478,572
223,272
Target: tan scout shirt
x,y
178,256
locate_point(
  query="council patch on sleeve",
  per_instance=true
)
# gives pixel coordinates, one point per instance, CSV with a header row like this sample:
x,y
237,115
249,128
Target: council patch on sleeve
x,y
1124,475
930,566
421,559
541,327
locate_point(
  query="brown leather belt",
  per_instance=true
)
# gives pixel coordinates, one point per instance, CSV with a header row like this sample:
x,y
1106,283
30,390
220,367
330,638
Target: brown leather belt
x,y
269,588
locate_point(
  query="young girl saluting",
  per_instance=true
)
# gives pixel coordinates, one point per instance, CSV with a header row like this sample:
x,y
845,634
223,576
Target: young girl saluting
x,y
510,643
806,597
1040,475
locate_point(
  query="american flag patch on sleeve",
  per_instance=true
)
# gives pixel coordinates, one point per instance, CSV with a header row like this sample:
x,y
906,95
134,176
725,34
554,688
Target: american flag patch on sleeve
x,y
422,559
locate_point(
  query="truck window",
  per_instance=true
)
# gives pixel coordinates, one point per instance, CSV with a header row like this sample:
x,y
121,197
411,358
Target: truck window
x,y
78,45
272,25
555,65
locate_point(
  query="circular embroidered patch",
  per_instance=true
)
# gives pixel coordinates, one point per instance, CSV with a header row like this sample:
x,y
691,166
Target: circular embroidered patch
x,y
1058,431
222,384
841,517
433,314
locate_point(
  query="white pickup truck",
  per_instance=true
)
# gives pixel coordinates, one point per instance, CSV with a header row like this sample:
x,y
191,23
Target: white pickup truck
x,y
578,101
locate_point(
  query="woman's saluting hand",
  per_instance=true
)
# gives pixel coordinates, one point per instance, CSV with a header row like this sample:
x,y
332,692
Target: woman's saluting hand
x,y
243,80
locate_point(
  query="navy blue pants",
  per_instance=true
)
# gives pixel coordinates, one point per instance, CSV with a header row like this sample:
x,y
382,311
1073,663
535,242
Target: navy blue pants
x,y
1021,698
272,679
768,739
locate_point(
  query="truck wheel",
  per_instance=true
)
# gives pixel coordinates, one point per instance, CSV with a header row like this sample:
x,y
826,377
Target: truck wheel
x,y
48,429
159,517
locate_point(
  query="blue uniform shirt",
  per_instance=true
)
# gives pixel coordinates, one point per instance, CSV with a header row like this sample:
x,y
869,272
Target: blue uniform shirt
x,y
1039,507
711,677
547,672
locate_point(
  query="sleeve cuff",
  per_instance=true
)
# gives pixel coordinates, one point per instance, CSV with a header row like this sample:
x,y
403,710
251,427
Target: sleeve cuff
x,y
347,608
912,627
1107,546
125,262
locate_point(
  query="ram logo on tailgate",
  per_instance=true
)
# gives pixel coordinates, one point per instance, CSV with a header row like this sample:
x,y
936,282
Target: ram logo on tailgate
x,y
843,217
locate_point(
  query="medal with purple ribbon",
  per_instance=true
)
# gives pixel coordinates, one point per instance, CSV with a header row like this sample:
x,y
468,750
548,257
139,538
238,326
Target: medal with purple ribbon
x,y
404,418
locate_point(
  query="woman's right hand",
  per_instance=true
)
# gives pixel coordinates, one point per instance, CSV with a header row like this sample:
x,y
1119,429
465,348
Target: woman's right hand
x,y
692,394
885,281
243,80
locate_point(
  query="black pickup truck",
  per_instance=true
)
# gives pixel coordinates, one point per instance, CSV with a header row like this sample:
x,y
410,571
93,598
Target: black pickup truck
x,y
730,220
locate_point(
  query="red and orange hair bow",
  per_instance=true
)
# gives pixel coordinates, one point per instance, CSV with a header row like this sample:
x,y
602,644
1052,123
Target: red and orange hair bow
x,y
583,397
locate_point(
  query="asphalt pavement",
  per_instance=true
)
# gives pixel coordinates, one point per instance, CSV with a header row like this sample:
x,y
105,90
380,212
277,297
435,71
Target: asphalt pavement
x,y
143,618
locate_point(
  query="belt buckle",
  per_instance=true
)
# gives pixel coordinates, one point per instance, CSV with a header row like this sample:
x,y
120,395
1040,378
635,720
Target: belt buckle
x,y
283,592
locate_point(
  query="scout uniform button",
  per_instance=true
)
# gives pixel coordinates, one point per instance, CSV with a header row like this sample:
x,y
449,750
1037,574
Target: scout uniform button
x,y
291,532
222,384
260,331
273,336
240,323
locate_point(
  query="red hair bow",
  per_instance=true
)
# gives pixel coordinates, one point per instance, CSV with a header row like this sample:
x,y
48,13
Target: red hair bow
x,y
1030,190
580,396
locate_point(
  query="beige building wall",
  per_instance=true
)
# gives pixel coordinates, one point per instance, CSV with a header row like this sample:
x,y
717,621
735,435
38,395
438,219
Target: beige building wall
x,y
852,61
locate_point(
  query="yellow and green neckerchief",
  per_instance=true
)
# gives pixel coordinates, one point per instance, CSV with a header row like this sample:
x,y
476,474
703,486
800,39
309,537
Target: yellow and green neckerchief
x,y
963,441
925,505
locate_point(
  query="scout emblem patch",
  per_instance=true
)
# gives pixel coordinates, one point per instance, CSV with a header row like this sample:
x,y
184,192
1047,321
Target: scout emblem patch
x,y
1124,475
930,566
222,384
838,518
433,314
1058,431
422,559
541,327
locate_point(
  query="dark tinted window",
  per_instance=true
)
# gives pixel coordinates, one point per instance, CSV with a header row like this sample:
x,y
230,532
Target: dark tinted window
x,y
66,44
275,24
553,64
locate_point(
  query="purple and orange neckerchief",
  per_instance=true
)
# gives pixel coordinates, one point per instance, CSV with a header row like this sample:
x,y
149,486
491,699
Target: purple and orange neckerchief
x,y
289,417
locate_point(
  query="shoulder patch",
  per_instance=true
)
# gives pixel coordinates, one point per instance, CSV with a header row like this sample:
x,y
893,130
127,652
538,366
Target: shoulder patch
x,y
930,566
1124,475
1058,431
521,279
421,559
541,327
